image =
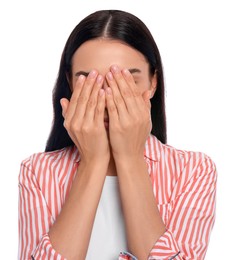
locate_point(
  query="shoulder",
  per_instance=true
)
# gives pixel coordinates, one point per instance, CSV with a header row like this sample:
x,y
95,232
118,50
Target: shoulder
x,y
179,161
67,153
40,164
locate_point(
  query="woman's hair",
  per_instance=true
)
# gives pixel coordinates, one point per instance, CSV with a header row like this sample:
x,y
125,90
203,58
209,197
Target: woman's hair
x,y
110,24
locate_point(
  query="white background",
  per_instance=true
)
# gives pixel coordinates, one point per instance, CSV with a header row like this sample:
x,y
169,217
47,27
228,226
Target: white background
x,y
196,41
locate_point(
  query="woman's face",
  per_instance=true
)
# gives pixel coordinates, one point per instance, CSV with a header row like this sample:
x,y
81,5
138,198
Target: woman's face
x,y
101,53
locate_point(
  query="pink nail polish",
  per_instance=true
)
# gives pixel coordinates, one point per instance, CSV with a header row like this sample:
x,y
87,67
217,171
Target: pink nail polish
x,y
101,92
92,74
99,79
81,78
110,75
108,91
126,72
115,69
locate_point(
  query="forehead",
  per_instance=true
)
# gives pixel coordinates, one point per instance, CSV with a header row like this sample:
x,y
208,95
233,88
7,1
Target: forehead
x,y
101,53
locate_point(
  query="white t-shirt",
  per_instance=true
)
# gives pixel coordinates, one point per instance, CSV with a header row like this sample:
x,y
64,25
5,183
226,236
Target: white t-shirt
x,y
108,236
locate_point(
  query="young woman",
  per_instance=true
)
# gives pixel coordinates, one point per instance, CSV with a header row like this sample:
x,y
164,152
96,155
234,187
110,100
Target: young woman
x,y
107,186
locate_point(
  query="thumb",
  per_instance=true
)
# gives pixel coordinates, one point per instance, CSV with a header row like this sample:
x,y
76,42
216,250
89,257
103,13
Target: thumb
x,y
64,104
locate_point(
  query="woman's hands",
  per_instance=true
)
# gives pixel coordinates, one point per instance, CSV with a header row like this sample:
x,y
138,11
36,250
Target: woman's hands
x,y
129,114
84,117
128,109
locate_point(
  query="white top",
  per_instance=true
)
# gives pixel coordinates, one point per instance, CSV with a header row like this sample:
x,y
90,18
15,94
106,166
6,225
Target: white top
x,y
108,236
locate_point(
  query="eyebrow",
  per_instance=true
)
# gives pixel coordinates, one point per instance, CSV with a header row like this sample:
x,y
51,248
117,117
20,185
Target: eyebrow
x,y
86,73
77,74
134,70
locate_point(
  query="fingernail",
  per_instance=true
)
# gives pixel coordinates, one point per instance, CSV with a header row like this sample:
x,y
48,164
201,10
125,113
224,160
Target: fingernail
x,y
108,91
115,69
101,92
92,74
99,79
126,72
81,78
110,75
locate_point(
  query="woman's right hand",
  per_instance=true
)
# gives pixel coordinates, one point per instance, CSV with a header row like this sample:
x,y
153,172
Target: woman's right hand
x,y
84,117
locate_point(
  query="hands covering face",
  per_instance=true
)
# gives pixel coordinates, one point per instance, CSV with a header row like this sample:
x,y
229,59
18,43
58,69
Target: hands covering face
x,y
128,118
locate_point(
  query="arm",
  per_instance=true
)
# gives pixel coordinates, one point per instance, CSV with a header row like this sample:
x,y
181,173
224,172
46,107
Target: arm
x,y
144,224
129,129
191,213
75,219
129,117
34,214
84,121
70,234
38,236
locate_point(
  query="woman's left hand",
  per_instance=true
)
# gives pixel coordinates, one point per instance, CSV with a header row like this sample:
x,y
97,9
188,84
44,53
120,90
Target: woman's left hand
x,y
129,114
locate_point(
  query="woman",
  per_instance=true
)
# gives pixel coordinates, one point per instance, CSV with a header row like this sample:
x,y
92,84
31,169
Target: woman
x,y
108,186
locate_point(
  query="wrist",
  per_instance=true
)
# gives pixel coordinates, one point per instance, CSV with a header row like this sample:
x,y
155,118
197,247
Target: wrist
x,y
95,164
128,158
130,163
96,159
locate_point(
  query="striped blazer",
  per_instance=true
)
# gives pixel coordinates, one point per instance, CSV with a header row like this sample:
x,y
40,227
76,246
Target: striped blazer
x,y
184,185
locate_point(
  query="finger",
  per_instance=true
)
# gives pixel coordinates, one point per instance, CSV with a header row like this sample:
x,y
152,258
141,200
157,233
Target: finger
x,y
92,102
99,111
111,106
117,98
64,105
141,100
125,87
74,98
84,96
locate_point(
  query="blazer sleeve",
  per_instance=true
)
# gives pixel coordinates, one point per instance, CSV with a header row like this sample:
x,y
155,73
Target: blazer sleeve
x,y
34,219
191,215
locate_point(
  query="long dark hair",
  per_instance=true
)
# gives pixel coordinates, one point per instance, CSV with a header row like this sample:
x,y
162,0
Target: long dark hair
x,y
112,24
